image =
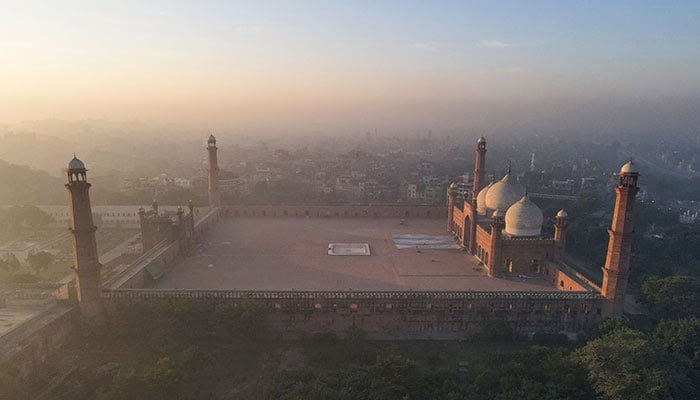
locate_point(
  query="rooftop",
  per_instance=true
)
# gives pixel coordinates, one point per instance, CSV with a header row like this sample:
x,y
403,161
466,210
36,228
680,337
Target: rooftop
x,y
292,253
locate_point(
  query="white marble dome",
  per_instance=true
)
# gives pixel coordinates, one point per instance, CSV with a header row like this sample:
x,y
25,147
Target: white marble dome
x,y
629,168
524,218
503,194
481,200
562,213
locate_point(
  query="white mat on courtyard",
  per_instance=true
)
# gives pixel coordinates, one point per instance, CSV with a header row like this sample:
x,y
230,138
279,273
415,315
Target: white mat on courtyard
x,y
423,241
348,249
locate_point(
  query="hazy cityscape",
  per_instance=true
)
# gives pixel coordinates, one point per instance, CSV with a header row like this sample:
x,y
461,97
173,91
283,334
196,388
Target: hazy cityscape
x,y
309,200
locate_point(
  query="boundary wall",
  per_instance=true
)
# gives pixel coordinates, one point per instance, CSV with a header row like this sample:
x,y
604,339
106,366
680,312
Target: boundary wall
x,y
29,345
340,211
396,314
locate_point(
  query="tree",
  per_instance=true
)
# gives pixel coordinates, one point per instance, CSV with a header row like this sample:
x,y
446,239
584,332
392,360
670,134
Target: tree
x,y
40,261
626,364
682,338
671,297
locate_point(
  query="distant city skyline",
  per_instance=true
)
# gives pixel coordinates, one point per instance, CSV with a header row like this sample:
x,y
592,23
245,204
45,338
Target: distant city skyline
x,y
312,65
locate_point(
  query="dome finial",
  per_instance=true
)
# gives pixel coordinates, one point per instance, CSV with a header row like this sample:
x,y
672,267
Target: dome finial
x,y
509,168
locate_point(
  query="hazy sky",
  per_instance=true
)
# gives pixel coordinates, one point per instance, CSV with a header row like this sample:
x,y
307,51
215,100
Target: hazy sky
x,y
323,65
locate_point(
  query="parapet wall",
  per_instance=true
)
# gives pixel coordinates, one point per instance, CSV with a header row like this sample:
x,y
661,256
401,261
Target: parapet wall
x,y
162,255
349,211
398,314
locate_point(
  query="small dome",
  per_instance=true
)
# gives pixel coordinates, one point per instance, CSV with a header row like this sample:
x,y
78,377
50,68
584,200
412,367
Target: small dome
x,y
481,200
629,168
76,165
524,218
481,140
562,214
503,194
453,185
212,139
497,214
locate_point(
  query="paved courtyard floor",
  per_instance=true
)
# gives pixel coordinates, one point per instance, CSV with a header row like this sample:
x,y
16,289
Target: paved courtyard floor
x,y
292,253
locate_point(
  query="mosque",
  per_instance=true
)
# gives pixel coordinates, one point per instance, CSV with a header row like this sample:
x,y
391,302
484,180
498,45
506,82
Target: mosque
x,y
502,227
497,224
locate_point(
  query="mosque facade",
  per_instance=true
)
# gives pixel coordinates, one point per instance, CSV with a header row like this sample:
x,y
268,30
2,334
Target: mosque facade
x,y
502,227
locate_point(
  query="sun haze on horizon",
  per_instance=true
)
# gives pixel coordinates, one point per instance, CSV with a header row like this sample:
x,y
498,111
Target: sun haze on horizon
x,y
332,65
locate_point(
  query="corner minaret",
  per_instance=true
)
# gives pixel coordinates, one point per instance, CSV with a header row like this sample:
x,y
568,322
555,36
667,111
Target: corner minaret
x,y
616,269
561,221
214,194
479,166
86,265
493,261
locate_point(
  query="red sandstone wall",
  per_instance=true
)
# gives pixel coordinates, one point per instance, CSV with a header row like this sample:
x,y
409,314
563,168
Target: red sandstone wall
x,y
407,315
522,251
458,223
562,281
369,211
483,241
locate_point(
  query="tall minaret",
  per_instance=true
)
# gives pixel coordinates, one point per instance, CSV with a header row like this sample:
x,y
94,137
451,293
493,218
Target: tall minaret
x,y
479,166
86,264
214,194
616,269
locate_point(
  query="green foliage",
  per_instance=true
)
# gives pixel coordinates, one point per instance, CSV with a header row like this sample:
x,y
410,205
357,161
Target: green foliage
x,y
681,338
608,325
157,382
627,364
390,377
671,297
537,373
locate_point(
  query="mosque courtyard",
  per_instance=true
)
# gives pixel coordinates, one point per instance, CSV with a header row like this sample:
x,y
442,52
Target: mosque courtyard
x,y
296,253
